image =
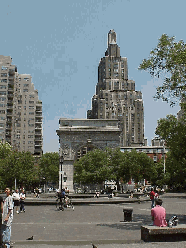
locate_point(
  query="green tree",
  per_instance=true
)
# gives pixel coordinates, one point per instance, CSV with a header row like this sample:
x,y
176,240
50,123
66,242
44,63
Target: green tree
x,y
49,167
92,168
139,166
118,166
168,60
5,150
146,167
175,172
159,177
19,166
173,132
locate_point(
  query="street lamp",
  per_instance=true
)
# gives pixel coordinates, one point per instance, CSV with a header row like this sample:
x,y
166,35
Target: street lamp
x,y
164,156
61,160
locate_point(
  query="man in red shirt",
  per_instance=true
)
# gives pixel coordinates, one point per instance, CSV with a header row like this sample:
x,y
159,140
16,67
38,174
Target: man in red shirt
x,y
152,196
158,214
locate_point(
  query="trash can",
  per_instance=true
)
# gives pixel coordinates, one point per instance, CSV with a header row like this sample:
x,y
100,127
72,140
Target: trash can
x,y
128,214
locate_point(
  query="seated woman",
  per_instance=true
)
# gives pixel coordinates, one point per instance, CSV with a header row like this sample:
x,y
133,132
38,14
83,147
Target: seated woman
x,y
158,214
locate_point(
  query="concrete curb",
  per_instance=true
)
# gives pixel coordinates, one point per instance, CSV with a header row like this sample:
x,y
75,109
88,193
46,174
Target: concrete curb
x,y
42,201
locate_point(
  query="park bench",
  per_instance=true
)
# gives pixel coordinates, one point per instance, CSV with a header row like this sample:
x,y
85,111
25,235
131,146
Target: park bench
x,y
165,234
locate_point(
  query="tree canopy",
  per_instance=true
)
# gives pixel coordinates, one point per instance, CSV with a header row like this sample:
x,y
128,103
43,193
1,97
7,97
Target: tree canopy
x,y
23,167
92,168
16,165
168,60
49,167
98,166
173,132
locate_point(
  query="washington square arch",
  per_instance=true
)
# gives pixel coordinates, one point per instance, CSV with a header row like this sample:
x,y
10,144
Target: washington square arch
x,y
75,135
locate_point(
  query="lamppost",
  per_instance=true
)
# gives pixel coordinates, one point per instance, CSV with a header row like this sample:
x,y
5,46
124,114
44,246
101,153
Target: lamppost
x,y
61,160
164,156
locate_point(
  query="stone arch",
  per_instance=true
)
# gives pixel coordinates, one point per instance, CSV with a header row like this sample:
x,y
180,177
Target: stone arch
x,y
76,133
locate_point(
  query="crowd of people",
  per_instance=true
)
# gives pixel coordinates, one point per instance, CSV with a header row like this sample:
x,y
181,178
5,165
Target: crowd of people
x,y
11,202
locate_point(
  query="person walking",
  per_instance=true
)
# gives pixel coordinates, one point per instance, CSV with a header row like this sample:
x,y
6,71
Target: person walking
x,y
16,199
152,197
22,202
7,218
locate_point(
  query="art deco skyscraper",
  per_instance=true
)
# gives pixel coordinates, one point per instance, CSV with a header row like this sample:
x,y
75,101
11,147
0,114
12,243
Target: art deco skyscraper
x,y
20,109
116,97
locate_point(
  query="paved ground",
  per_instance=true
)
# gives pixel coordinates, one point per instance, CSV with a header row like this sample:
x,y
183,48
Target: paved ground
x,y
101,224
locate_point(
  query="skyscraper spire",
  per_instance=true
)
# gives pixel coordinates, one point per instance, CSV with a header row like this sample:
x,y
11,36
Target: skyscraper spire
x,y
116,97
111,37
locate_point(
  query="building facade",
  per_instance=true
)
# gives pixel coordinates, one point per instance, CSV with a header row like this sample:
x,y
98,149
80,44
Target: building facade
x,y
157,151
20,109
116,97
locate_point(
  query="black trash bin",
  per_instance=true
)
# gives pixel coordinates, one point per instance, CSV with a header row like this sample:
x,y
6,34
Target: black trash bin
x,y
128,214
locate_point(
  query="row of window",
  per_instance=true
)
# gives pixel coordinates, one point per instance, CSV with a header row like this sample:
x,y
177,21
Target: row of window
x,y
2,86
2,93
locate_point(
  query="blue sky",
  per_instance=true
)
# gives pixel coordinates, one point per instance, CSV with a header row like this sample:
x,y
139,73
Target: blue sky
x,y
60,43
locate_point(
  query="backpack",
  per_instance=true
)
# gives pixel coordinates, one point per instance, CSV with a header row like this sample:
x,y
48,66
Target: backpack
x,y
173,221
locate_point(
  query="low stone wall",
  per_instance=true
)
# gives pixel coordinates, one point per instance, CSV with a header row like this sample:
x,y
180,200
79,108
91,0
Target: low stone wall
x,y
165,234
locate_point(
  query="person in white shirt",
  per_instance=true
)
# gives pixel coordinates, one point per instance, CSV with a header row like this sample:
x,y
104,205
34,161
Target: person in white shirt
x,y
7,218
16,199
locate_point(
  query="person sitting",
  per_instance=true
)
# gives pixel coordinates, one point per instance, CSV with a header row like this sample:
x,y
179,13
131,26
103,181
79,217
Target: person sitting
x,y
158,214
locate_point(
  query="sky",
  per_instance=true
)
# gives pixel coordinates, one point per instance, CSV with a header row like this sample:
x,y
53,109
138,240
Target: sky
x,y
60,43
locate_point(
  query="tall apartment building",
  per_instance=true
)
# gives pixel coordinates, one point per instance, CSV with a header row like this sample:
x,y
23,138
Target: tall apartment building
x,y
20,109
116,97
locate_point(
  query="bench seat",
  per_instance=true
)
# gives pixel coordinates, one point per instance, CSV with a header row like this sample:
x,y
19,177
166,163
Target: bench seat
x,y
165,234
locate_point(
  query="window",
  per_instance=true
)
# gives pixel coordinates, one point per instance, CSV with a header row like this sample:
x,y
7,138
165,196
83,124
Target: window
x,y
4,80
2,93
155,158
116,85
25,85
26,79
3,87
25,90
3,74
3,68
2,105
31,131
